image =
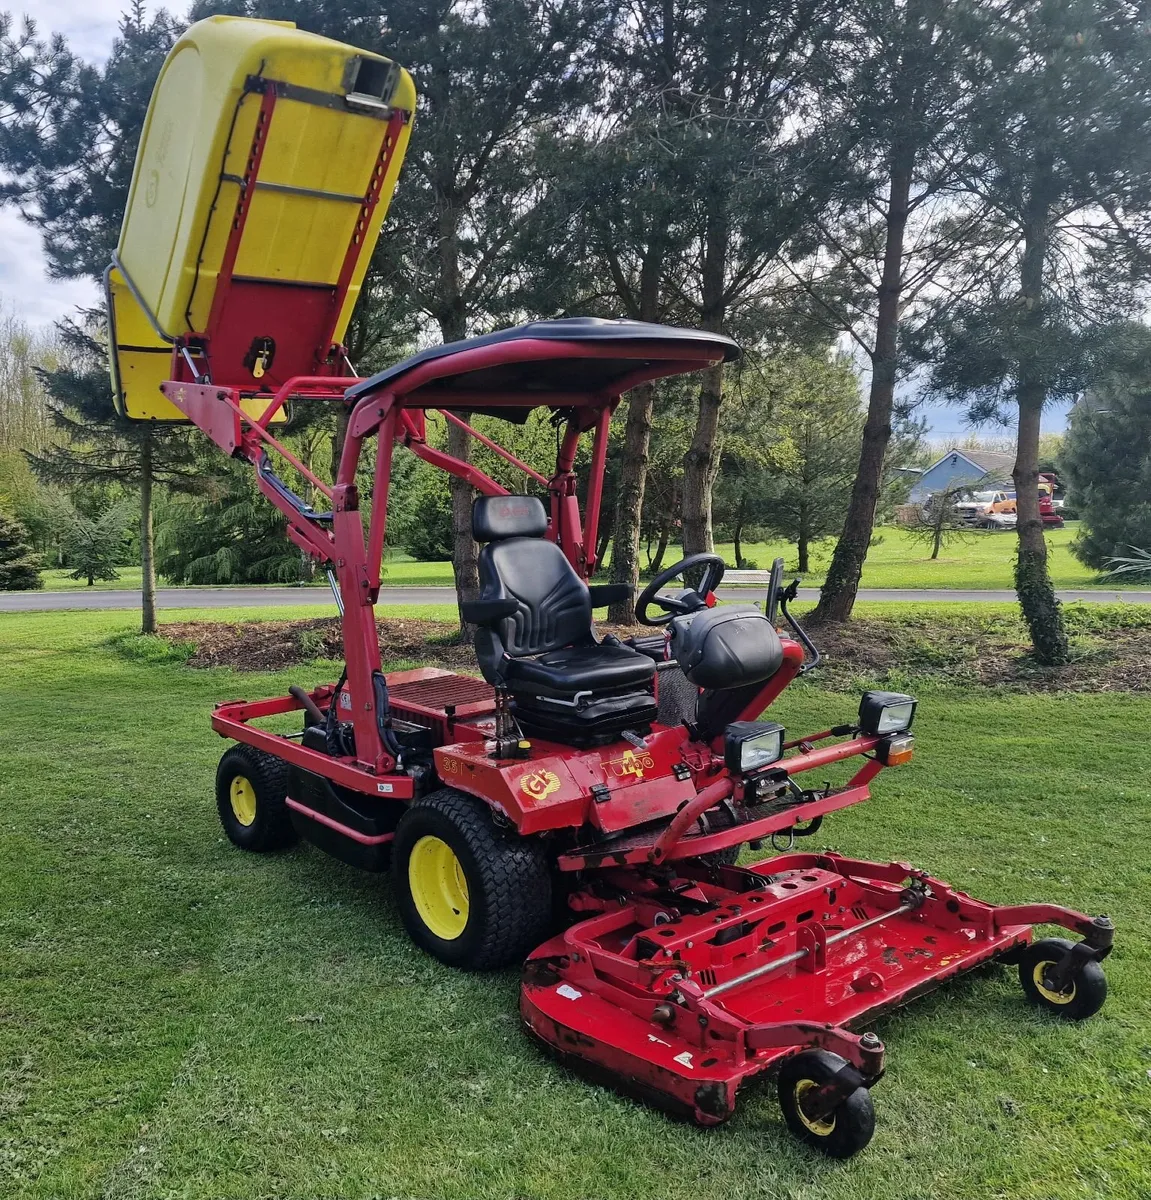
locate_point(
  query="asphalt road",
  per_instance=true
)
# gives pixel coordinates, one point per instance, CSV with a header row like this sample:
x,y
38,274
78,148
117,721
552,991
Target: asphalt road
x,y
273,597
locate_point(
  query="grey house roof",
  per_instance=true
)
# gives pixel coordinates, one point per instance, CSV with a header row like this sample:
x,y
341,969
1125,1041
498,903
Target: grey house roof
x,y
986,462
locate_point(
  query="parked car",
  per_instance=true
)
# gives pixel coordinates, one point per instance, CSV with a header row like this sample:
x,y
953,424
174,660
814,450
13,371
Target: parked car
x,y
988,509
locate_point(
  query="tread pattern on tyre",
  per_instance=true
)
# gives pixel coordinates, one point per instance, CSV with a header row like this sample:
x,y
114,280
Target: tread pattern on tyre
x,y
269,776
516,882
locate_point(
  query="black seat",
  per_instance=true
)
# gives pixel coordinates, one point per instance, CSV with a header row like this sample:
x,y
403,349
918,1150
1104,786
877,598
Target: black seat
x,y
535,636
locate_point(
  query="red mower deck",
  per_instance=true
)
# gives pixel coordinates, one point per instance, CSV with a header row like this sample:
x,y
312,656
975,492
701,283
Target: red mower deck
x,y
689,983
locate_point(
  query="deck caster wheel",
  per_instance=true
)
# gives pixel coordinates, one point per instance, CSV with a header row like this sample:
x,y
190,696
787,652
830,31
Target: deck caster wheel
x,y
1078,999
840,1133
251,787
470,894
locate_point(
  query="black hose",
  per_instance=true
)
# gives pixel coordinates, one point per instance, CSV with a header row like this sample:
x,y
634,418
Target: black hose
x,y
307,704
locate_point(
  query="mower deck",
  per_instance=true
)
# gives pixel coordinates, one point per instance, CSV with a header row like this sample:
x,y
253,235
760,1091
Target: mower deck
x,y
687,983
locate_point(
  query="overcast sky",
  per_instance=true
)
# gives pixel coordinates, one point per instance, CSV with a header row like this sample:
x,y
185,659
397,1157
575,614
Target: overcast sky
x,y
90,26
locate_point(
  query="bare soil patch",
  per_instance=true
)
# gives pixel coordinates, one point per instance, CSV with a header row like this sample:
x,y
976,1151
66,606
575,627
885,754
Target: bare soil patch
x,y
1111,648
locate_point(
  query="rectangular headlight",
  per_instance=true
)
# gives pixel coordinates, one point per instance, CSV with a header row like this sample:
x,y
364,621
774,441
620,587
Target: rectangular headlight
x,y
750,745
886,712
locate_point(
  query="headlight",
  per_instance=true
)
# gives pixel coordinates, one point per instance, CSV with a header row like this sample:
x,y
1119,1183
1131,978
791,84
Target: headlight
x,y
886,712
750,745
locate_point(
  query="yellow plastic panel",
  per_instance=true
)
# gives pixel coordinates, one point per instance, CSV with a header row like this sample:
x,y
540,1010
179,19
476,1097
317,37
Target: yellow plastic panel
x,y
195,146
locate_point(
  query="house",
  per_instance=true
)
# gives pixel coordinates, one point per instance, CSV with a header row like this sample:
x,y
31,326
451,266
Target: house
x,y
957,467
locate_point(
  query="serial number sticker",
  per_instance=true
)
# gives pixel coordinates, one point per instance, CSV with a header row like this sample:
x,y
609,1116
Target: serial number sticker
x,y
384,787
568,992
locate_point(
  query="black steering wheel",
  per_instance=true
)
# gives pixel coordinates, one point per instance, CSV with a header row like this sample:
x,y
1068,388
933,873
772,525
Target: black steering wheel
x,y
714,568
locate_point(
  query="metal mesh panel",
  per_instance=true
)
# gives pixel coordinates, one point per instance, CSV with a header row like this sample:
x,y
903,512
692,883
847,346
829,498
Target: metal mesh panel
x,y
677,697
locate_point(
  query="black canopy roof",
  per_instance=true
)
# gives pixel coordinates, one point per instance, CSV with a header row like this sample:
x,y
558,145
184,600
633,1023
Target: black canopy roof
x,y
561,374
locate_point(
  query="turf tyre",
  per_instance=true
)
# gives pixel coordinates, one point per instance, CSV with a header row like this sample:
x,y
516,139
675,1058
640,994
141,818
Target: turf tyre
x,y
1083,999
271,828
508,883
843,1132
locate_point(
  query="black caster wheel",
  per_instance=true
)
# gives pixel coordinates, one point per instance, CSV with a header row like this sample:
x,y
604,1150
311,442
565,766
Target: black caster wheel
x,y
1082,997
840,1133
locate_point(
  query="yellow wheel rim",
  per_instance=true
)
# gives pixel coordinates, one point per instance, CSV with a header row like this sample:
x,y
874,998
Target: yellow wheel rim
x,y
243,797
439,888
821,1128
1049,994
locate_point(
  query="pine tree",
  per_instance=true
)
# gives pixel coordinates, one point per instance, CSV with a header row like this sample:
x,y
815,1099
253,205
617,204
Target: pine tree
x,y
19,567
1059,143
68,138
93,544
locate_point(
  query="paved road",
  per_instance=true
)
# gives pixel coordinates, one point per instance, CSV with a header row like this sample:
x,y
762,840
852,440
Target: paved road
x,y
272,597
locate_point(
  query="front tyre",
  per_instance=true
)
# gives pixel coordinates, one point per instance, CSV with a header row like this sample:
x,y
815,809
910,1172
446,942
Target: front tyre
x,y
840,1133
469,894
251,787
1081,997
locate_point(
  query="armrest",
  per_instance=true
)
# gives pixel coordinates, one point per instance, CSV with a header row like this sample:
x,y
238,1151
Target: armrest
x,y
487,612
603,594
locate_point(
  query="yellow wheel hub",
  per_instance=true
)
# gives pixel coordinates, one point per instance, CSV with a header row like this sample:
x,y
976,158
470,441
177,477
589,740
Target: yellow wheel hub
x,y
439,888
822,1128
1050,994
243,797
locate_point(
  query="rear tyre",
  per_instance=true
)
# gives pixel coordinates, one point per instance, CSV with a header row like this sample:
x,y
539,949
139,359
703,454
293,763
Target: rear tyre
x,y
251,787
1082,998
842,1132
470,894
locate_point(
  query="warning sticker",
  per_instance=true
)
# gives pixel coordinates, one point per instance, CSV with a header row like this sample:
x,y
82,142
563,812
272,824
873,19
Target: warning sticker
x,y
568,992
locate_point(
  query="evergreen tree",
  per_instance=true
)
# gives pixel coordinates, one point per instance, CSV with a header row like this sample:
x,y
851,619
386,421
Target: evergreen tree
x,y
19,567
1106,458
93,545
68,138
1060,145
897,222
99,447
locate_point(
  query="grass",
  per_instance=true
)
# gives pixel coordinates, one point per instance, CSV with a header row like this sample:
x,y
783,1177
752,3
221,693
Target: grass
x,y
181,1020
896,560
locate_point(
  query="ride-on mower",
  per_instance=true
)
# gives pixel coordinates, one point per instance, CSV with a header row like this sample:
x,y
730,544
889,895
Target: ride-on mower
x,y
583,800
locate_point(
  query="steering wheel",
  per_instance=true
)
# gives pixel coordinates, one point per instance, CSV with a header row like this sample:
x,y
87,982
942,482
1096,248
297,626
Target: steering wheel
x,y
714,568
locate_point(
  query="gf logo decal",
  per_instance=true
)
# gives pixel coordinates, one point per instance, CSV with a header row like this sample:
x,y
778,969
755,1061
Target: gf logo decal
x,y
539,784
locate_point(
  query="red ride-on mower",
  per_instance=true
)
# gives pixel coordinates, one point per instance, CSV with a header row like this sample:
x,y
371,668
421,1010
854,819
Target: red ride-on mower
x,y
612,780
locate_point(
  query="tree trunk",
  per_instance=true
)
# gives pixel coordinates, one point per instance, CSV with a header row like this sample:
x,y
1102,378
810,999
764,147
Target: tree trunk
x,y
342,416
661,547
92,583
837,597
1041,610
701,462
632,483
937,537
147,559
737,531
802,549
453,327
636,448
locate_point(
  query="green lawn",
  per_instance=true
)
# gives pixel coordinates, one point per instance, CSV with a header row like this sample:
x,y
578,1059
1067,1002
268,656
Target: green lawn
x,y
178,1019
896,560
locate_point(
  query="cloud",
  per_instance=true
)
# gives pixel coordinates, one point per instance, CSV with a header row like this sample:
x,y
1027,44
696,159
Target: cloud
x,y
24,282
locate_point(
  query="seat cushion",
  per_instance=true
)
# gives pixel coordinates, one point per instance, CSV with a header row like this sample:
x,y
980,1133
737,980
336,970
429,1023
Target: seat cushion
x,y
591,668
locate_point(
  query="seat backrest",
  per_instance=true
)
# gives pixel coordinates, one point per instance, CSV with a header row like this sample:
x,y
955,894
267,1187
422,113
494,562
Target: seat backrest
x,y
553,606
